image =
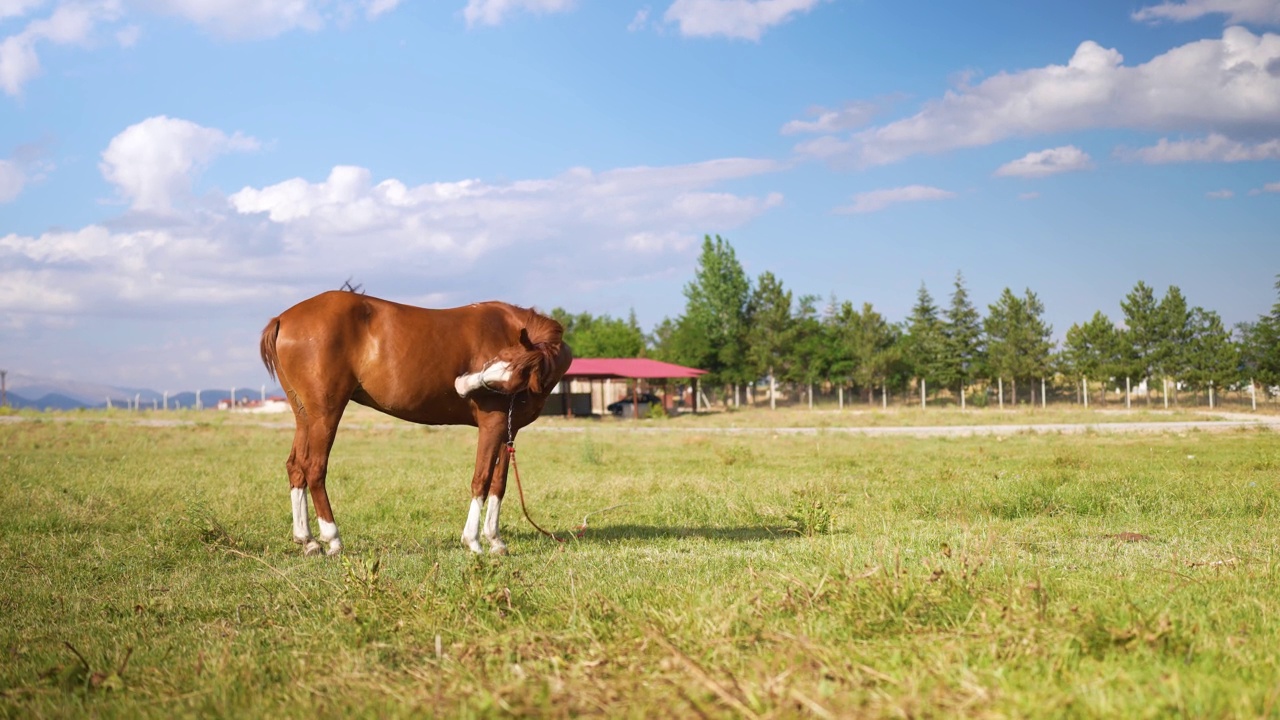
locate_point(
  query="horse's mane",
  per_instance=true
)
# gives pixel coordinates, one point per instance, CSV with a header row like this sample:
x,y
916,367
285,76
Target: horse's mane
x,y
357,289
543,339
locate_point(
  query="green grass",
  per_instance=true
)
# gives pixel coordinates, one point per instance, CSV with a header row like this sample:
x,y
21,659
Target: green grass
x,y
148,572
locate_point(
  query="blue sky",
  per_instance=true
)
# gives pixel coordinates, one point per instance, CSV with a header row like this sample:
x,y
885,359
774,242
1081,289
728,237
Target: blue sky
x,y
175,172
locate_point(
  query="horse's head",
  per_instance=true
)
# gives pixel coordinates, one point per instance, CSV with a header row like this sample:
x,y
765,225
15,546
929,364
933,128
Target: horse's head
x,y
536,364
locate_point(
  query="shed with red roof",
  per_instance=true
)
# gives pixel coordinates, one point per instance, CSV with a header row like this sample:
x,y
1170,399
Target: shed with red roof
x,y
633,369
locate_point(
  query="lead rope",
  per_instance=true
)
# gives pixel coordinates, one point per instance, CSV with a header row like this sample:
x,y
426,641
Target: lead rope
x,y
511,453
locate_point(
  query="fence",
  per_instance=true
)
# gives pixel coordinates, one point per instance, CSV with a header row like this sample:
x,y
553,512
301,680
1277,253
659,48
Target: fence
x,y
1057,392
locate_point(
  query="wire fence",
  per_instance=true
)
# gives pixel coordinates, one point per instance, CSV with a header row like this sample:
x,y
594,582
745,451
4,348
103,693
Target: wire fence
x,y
1045,393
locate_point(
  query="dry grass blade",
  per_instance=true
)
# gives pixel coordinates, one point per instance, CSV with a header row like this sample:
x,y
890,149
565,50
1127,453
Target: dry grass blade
x,y
703,676
268,565
810,703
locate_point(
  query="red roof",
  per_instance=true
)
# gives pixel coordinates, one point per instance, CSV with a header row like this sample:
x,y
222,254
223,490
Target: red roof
x,y
629,368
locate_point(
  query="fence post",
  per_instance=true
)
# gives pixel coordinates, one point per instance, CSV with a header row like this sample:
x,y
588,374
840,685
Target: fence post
x,y
1001,383
961,394
1085,381
1126,392
1253,394
1210,394
922,391
884,395
841,392
1044,403
1166,393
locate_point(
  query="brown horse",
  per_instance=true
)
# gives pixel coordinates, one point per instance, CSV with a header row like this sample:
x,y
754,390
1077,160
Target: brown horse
x,y
490,365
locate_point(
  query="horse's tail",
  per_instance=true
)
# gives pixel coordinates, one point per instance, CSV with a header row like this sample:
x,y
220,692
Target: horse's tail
x,y
268,346
546,357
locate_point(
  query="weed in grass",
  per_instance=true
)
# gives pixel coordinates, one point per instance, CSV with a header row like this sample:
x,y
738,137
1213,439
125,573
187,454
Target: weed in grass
x,y
734,453
210,531
809,516
591,452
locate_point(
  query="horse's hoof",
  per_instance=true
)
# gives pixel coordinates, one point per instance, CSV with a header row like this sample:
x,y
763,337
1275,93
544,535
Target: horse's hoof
x,y
312,548
498,549
335,549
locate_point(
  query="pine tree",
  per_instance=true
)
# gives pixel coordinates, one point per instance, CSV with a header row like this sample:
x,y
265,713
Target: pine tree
x,y
869,347
1018,339
1214,357
1171,359
1093,351
925,341
962,339
772,331
1144,327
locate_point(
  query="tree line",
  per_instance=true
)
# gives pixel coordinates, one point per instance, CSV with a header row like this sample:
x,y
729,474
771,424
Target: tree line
x,y
746,331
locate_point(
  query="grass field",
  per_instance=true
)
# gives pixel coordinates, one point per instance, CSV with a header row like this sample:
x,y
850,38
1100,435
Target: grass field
x,y
147,571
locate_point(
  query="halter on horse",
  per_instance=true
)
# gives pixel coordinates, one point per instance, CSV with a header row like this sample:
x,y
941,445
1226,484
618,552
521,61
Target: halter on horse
x,y
490,365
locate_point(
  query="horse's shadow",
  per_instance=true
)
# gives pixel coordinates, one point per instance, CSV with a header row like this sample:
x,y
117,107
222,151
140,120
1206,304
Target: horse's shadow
x,y
603,533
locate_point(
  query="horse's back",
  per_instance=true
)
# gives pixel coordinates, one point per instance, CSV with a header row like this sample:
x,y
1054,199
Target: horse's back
x,y
398,358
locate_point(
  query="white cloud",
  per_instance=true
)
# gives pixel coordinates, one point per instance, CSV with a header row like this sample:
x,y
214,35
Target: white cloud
x,y
1067,158
455,241
128,36
880,199
69,24
1208,85
743,19
650,242
374,8
245,19
153,162
17,8
467,219
1264,12
12,180
1269,187
1029,196
852,115
74,23
1220,194
493,12
1213,148
640,20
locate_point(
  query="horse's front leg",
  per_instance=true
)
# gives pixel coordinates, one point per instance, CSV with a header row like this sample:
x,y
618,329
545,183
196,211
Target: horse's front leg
x,y
491,463
497,489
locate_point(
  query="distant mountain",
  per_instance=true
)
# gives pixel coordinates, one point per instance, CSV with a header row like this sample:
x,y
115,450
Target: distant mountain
x,y
88,394
71,394
50,401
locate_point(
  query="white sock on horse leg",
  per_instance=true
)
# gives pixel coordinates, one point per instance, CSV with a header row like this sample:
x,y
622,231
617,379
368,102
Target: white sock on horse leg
x,y
329,534
496,546
301,520
471,531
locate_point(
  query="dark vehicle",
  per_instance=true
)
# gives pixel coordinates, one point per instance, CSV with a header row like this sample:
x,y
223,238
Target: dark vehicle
x,y
622,408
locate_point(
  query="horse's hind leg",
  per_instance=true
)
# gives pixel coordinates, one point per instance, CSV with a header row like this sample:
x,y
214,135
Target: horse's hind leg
x,y
298,496
308,466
